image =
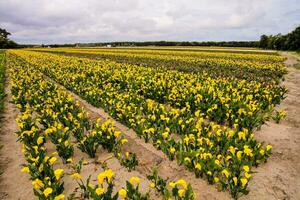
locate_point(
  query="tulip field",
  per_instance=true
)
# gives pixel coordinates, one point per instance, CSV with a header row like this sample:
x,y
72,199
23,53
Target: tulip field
x,y
200,109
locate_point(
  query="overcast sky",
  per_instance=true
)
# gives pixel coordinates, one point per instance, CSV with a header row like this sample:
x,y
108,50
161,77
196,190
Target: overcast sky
x,y
70,21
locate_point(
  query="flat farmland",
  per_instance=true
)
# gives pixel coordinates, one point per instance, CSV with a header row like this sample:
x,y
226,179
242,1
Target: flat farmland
x,y
150,123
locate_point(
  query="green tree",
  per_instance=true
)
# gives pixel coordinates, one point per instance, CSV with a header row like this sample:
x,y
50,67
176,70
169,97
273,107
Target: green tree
x,y
290,41
3,34
263,43
5,42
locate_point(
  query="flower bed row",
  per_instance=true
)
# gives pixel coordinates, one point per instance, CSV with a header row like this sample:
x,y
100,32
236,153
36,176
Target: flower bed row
x,y
50,114
251,67
226,101
217,153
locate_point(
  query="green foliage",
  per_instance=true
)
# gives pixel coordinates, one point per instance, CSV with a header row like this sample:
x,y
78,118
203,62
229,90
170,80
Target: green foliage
x,y
5,42
279,115
290,41
159,184
163,43
133,192
129,161
180,190
89,145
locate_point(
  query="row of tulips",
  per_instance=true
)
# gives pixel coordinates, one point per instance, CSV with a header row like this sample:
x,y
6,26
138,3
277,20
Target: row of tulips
x,y
265,57
226,101
56,119
48,182
265,68
104,189
62,117
217,153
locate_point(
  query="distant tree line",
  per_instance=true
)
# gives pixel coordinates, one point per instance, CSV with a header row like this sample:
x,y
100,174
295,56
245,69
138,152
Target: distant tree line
x,y
5,42
186,43
166,43
290,41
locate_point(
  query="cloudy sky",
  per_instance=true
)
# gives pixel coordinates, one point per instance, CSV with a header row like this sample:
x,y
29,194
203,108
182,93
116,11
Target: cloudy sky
x,y
69,21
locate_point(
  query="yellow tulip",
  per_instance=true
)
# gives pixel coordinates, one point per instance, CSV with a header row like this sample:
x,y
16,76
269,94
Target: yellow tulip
x,y
181,192
182,183
235,180
52,160
198,166
244,181
40,140
172,184
123,193
47,191
246,168
152,185
134,180
99,191
25,170
37,184
76,176
124,140
58,173
59,197
216,179
225,173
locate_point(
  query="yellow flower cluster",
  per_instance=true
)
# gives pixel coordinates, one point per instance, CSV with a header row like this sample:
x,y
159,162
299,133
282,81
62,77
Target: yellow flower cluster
x,y
233,101
56,117
159,104
241,64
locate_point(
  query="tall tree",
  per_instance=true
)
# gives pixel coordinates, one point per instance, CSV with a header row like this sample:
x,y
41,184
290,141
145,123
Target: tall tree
x,y
4,34
5,42
290,41
263,43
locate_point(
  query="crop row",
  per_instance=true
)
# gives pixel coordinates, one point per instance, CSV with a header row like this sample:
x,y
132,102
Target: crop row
x,y
230,101
264,58
219,66
60,118
217,153
50,114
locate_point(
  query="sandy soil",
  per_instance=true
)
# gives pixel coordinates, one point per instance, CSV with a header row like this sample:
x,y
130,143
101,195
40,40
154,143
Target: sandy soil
x,y
13,184
277,179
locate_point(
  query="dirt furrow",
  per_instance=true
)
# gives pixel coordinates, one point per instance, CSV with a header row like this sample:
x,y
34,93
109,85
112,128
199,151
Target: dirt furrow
x,y
13,184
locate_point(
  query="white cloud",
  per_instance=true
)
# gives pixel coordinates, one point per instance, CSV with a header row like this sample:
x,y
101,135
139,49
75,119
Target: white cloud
x,y
60,21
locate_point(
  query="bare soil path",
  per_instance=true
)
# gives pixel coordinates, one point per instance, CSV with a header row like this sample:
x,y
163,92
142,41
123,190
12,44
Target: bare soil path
x,y
14,184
